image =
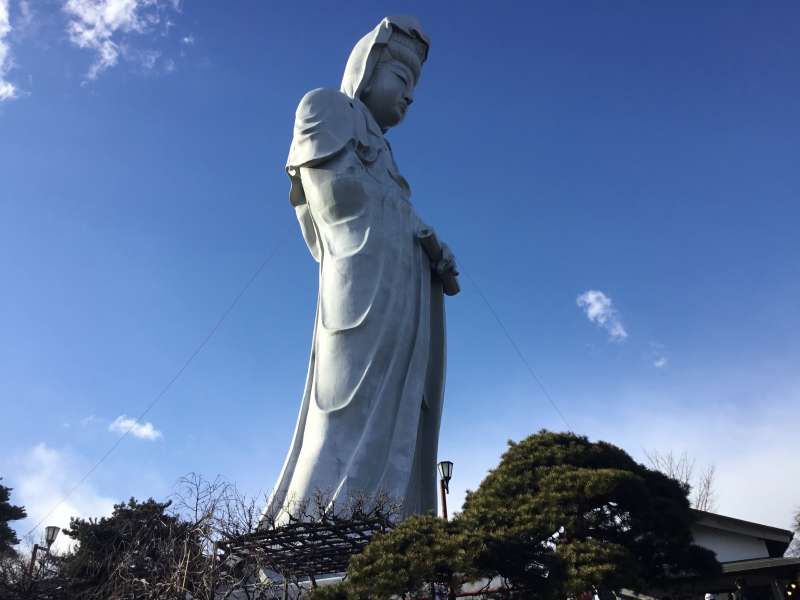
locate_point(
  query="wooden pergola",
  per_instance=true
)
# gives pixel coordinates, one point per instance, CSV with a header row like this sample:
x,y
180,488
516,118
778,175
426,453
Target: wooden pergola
x,y
306,549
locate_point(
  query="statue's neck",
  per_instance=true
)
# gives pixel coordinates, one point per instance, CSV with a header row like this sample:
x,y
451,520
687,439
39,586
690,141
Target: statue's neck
x,y
372,121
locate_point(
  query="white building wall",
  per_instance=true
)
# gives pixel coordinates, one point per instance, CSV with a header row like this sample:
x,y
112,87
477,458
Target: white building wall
x,y
729,546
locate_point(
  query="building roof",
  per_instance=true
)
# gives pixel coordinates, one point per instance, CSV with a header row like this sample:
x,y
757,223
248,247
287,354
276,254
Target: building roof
x,y
757,530
759,563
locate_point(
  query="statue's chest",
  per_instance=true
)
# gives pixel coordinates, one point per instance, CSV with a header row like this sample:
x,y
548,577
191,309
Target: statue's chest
x,y
383,169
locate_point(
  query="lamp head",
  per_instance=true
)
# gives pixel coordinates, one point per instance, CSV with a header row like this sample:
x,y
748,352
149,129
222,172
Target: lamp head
x,y
50,534
446,473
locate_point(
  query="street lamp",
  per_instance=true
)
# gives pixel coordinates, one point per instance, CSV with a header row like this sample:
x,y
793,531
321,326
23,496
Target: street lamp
x,y
50,534
445,473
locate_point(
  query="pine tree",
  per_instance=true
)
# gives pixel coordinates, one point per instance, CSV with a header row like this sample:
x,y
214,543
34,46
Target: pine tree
x,y
140,550
558,517
561,515
8,512
420,551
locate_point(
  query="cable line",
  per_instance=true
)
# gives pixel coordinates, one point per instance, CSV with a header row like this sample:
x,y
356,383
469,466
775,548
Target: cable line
x,y
164,390
211,334
518,351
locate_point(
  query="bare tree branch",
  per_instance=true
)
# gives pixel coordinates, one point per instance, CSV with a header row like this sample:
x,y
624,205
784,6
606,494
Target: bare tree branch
x,y
682,469
704,495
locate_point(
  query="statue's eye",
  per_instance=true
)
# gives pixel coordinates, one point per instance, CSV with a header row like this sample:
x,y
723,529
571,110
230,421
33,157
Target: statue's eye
x,y
401,78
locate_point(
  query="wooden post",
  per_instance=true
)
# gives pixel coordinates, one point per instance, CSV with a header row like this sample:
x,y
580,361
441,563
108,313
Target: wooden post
x,y
444,498
33,560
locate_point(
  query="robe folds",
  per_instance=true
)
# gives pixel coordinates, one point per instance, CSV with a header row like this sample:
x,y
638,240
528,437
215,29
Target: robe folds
x,y
371,409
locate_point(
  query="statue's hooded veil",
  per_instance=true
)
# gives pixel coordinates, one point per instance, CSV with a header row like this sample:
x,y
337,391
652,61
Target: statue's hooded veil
x,y
327,120
366,52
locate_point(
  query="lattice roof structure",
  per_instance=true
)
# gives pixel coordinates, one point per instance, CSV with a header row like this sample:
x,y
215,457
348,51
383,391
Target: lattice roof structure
x,y
302,549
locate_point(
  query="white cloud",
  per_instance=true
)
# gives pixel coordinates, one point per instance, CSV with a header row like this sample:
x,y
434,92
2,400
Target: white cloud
x,y
657,355
188,40
99,25
600,310
754,449
146,59
46,476
91,419
125,424
25,14
8,90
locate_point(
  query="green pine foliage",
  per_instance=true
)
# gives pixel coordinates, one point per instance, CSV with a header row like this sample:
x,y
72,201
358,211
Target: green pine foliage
x,y
8,513
404,562
560,515
420,551
339,591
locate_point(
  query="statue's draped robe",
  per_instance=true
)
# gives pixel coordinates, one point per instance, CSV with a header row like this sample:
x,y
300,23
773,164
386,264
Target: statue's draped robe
x,y
371,409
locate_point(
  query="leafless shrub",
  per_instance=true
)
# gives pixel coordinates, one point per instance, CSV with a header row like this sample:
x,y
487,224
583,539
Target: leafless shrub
x,y
24,579
322,505
171,550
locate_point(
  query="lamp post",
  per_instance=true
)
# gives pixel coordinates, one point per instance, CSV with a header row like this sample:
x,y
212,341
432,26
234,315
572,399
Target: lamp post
x,y
445,473
50,534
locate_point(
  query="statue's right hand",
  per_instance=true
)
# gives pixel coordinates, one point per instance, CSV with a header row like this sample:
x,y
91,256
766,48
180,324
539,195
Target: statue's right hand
x,y
447,262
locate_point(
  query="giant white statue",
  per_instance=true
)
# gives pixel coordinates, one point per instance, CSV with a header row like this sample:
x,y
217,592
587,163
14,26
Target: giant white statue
x,y
370,414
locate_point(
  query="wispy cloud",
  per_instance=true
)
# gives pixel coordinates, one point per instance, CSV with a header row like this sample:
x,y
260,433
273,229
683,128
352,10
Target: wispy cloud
x,y
600,309
144,431
657,355
25,15
8,90
187,40
47,475
100,25
86,421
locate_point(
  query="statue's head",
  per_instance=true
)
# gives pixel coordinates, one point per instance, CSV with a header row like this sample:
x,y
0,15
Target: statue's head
x,y
384,68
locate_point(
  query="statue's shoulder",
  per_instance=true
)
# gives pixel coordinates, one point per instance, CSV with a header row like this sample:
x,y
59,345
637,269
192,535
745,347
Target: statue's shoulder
x,y
324,102
325,121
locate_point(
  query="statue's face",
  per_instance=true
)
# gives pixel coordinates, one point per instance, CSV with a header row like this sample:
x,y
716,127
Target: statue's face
x,y
389,93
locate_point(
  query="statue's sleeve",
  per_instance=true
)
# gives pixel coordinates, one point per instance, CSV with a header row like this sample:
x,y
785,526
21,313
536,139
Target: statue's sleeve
x,y
324,124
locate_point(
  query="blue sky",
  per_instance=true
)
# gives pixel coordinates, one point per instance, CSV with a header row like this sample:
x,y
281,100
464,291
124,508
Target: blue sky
x,y
645,152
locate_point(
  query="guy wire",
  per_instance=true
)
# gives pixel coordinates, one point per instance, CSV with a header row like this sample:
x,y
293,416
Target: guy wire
x,y
164,390
211,334
518,351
